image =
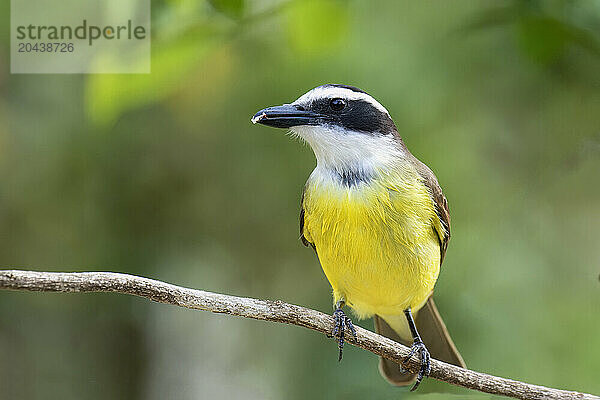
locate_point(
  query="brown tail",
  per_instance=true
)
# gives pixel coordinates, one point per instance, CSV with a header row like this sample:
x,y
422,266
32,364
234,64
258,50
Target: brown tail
x,y
433,331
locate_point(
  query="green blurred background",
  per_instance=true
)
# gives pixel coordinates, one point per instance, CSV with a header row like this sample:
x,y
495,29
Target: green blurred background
x,y
163,175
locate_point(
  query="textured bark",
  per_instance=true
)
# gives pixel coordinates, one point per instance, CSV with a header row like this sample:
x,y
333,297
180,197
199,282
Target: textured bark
x,y
275,311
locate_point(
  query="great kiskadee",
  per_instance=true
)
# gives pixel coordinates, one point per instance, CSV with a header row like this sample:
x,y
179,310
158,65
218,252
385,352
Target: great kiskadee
x,y
377,219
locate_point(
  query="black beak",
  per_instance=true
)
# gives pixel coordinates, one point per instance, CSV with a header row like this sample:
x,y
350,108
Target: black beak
x,y
287,116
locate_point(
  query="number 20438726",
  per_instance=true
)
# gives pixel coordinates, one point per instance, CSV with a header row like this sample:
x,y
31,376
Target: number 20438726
x,y
43,47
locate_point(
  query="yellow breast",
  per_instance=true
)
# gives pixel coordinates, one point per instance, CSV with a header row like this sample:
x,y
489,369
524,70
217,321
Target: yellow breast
x,y
375,240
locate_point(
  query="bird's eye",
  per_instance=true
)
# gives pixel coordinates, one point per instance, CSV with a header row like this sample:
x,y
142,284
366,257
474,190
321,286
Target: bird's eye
x,y
337,104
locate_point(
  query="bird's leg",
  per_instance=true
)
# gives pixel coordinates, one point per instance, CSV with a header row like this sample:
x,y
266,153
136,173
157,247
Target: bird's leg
x,y
341,323
419,348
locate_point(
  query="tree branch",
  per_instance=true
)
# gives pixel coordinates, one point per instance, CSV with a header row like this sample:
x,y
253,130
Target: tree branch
x,y
275,311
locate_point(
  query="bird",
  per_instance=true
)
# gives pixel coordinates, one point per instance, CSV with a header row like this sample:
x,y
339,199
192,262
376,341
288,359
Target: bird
x,y
377,220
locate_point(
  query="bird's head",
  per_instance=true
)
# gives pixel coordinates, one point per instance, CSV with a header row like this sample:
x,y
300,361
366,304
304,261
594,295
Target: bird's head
x,y
345,126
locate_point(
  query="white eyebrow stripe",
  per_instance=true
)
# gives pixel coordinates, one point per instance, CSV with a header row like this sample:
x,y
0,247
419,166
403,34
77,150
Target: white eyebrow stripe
x,y
322,92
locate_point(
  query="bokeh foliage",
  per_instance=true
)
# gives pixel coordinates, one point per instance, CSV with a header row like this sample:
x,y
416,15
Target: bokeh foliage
x,y
163,175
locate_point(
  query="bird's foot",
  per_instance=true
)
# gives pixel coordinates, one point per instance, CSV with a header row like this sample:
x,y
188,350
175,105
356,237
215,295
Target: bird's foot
x,y
418,347
341,324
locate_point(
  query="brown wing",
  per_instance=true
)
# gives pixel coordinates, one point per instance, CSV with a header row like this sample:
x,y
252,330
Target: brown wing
x,y
441,204
302,237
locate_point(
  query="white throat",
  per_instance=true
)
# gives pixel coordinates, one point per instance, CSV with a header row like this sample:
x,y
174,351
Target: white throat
x,y
343,151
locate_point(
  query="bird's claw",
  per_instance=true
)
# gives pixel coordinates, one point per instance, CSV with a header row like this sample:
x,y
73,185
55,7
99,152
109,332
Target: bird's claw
x,y
341,324
419,348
